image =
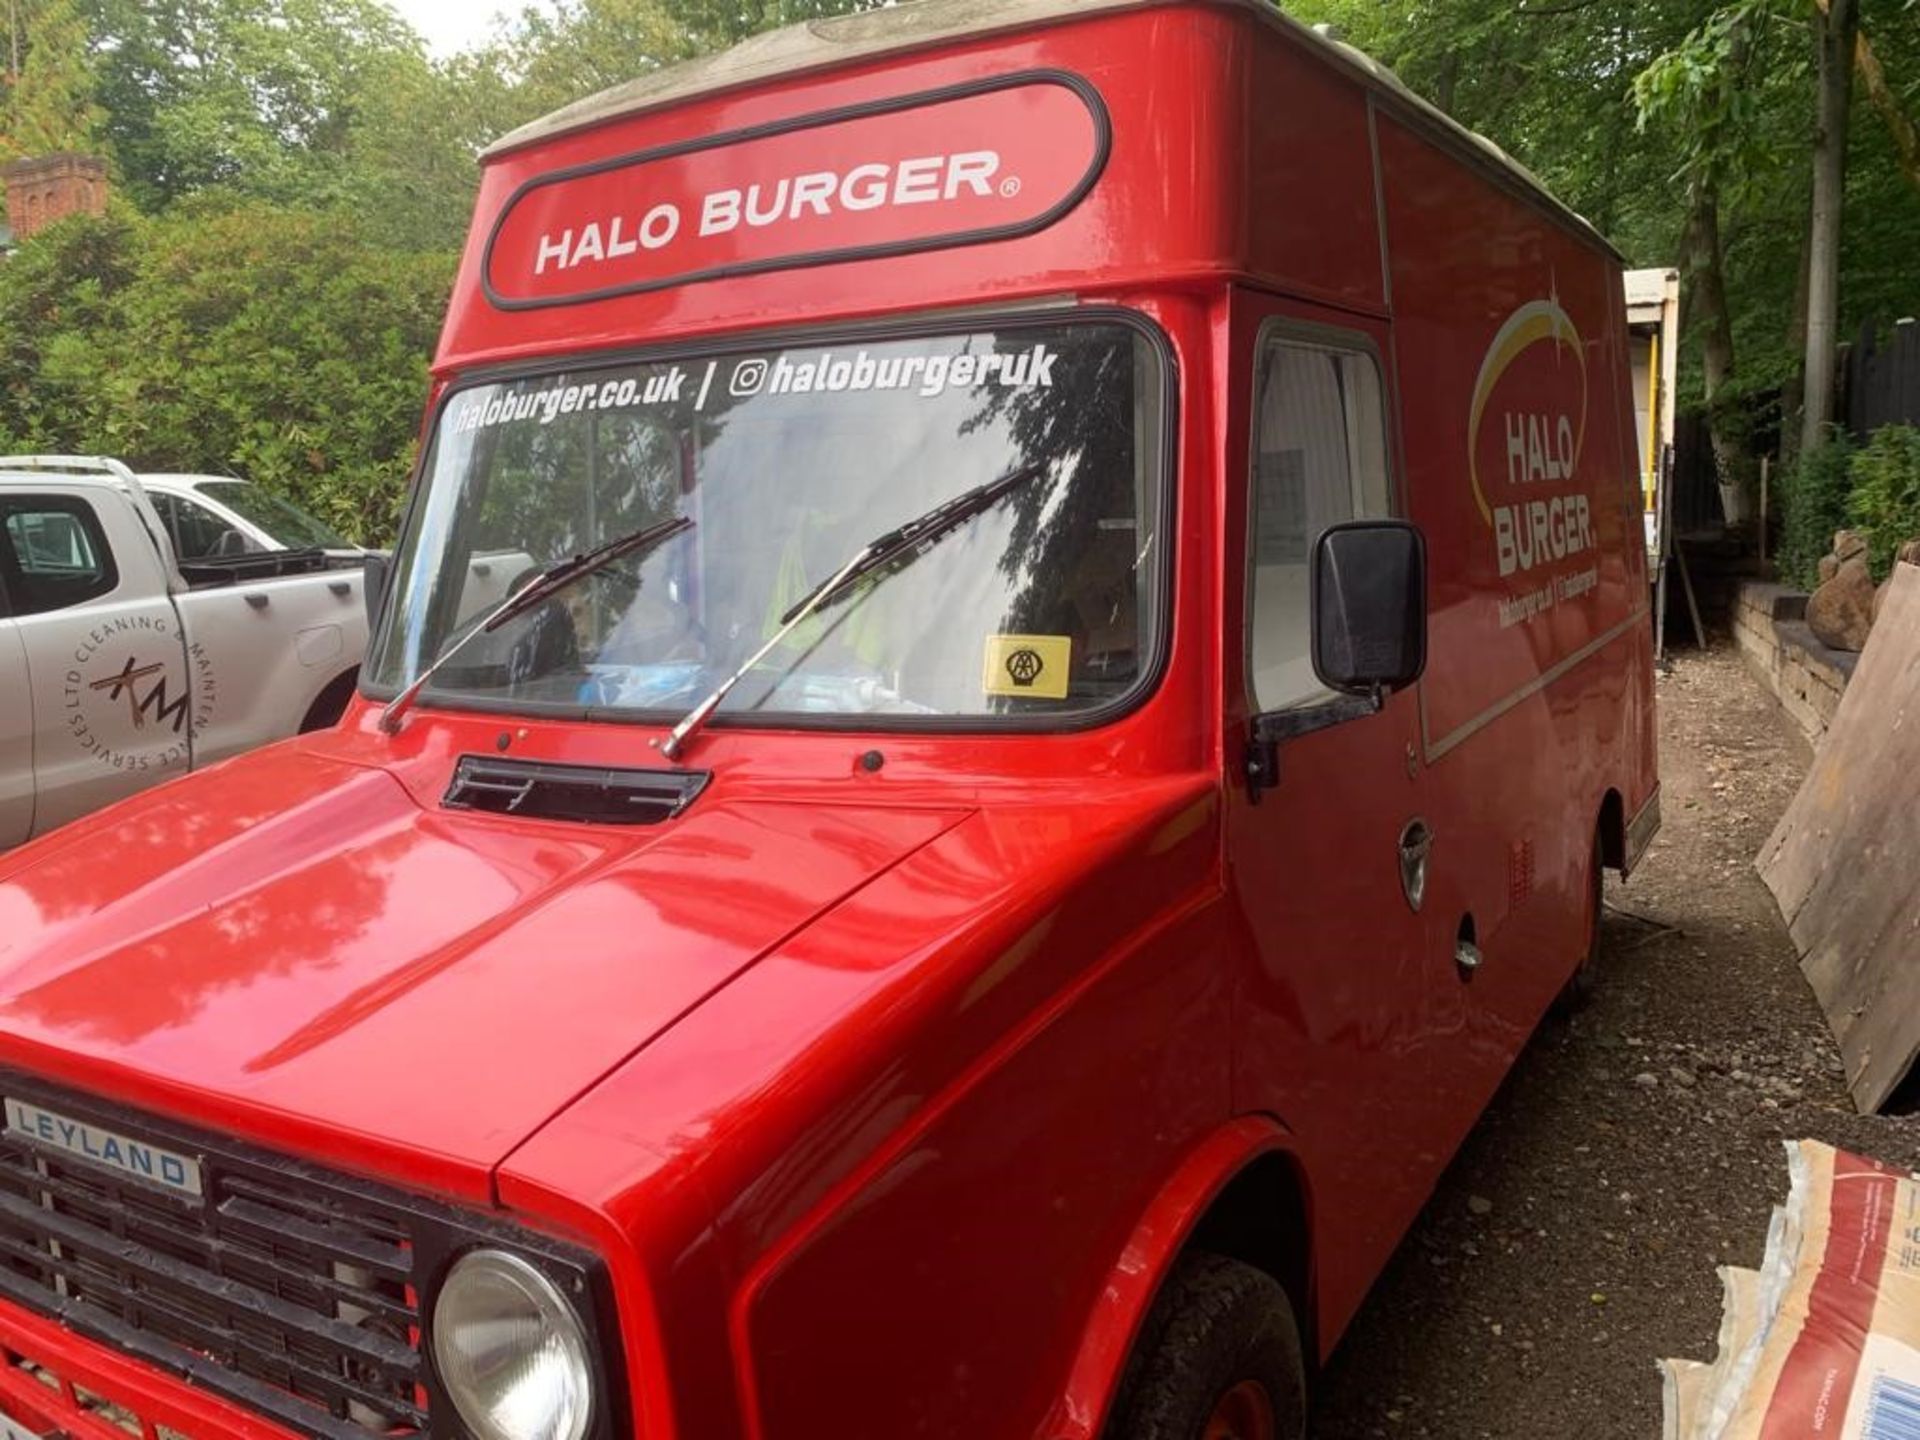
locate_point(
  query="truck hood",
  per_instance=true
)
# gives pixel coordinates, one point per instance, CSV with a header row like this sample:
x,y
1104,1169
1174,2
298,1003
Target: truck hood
x,y
293,946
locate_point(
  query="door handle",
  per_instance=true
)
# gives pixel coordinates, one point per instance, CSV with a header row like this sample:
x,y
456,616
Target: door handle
x,y
1416,844
257,599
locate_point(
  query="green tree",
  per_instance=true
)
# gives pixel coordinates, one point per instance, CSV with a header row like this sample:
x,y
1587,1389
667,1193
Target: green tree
x,y
48,94
1836,30
258,97
1884,498
58,292
1709,93
257,340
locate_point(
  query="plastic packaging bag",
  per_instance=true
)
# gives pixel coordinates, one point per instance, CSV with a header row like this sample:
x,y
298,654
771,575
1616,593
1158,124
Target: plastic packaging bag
x,y
1824,1339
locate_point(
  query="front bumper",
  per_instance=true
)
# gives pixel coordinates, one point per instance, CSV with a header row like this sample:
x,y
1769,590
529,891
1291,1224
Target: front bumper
x,y
54,1383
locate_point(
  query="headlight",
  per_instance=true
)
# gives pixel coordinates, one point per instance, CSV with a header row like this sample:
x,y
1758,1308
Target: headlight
x,y
511,1351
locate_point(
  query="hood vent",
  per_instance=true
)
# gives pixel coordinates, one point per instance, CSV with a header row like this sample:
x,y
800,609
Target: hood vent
x,y
589,793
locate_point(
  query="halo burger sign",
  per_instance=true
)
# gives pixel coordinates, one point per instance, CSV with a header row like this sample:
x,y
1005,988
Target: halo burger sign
x,y
957,166
1525,433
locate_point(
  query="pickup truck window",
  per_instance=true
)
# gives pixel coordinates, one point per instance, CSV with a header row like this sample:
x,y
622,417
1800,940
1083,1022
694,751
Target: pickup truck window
x,y
53,553
198,533
1043,605
1319,457
285,522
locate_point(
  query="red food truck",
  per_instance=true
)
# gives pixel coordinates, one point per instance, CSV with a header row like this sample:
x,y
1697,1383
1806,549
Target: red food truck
x,y
1018,645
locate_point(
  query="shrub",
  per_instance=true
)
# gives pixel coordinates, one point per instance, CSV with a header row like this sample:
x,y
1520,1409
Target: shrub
x,y
60,289
1885,503
1813,504
265,342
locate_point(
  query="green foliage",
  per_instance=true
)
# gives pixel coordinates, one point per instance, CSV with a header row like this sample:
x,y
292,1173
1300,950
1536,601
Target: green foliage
x,y
1885,503
1874,489
269,342
260,97
60,287
51,105
1813,504
1718,93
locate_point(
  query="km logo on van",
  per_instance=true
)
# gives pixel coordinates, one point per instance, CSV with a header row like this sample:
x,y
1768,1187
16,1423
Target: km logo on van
x,y
126,680
130,702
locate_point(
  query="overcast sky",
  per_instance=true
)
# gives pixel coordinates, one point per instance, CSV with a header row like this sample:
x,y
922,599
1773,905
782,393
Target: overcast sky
x,y
451,25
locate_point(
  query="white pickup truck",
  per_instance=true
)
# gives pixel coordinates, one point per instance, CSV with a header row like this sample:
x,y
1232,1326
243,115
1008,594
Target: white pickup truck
x,y
121,667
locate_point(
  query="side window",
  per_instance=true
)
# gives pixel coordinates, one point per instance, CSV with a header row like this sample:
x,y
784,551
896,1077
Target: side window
x,y
198,533
1319,457
53,553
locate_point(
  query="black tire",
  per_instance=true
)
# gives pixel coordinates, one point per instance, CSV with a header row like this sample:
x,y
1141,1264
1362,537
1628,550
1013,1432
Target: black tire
x,y
1217,1325
1585,979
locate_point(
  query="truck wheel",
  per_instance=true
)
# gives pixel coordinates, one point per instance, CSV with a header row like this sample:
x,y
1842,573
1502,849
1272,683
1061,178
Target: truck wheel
x,y
1581,984
1218,1359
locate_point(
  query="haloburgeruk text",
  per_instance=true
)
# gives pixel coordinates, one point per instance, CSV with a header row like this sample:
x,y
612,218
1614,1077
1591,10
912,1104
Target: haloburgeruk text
x,y
795,373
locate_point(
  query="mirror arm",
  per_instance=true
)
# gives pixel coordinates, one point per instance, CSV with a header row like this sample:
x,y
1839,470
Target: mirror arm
x,y
1274,726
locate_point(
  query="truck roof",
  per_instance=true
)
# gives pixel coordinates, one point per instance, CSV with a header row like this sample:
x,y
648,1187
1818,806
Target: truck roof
x,y
12,475
823,44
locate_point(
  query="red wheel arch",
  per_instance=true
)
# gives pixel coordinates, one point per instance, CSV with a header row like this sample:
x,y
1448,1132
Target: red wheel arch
x,y
1157,1240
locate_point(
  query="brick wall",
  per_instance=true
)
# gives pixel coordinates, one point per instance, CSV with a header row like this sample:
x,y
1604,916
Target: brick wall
x,y
1770,627
51,187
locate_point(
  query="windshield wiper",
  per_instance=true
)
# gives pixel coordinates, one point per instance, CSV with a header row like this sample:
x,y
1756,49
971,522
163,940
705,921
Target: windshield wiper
x,y
894,549
544,586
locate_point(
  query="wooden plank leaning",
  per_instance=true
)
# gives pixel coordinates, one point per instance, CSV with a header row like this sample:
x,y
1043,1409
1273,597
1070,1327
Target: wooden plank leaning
x,y
1844,862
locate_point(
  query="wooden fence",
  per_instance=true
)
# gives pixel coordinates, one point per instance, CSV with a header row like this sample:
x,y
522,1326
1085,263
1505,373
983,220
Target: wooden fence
x,y
1883,379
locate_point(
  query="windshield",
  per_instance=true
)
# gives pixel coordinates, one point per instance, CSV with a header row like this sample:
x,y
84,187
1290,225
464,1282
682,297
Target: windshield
x,y
1043,603
288,524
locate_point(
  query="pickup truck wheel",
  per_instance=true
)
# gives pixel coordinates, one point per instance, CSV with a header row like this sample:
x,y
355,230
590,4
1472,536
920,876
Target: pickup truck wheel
x,y
1581,984
1218,1359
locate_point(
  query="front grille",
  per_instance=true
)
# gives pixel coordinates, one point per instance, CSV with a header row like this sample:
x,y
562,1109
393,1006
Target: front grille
x,y
292,1291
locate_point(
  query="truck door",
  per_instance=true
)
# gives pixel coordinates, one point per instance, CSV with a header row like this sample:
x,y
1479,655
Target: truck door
x,y
104,658
1334,1025
16,731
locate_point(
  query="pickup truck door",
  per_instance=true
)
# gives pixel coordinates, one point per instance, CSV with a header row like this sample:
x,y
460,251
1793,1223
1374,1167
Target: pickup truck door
x,y
16,731
105,660
263,650
1334,1020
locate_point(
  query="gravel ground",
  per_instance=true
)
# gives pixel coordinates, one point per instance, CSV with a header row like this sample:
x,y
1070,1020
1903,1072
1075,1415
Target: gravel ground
x,y
1637,1145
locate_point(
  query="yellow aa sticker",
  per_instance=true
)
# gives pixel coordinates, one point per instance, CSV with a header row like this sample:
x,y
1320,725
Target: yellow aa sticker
x,y
1034,665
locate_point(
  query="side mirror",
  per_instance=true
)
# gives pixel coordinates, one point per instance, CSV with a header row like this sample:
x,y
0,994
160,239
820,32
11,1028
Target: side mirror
x,y
1369,607
374,570
1369,620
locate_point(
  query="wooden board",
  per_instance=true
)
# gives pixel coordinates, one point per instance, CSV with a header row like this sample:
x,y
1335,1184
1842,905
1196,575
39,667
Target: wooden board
x,y
1844,862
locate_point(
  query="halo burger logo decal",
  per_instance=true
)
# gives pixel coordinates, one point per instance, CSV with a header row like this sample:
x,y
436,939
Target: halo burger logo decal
x,y
1525,433
974,163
